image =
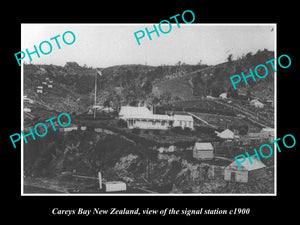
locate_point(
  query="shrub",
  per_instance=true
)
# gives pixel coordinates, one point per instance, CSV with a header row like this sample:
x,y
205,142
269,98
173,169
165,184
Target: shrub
x,y
121,123
205,130
136,131
187,130
177,130
156,132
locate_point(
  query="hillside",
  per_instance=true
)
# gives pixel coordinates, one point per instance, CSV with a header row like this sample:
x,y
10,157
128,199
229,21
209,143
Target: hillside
x,y
73,85
87,153
133,155
214,80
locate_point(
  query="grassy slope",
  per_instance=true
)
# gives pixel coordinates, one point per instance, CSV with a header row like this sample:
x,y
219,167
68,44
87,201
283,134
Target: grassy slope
x,y
219,76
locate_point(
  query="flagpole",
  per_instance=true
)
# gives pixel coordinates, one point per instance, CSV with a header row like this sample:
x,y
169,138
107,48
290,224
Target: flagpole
x,y
95,95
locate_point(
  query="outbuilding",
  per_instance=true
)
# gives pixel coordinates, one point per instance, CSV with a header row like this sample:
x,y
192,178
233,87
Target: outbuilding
x,y
268,133
256,103
247,172
68,129
203,150
223,95
183,121
27,110
114,186
226,134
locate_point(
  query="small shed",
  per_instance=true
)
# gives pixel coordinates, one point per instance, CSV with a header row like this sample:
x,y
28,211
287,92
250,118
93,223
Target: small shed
x,y
68,129
247,172
203,150
223,95
26,99
114,186
268,133
256,103
26,110
226,134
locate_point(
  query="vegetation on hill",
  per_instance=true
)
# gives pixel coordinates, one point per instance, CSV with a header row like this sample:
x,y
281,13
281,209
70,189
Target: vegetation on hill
x,y
160,85
215,80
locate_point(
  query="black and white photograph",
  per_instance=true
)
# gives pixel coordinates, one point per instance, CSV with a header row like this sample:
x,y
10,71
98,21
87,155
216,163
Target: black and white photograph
x,y
162,109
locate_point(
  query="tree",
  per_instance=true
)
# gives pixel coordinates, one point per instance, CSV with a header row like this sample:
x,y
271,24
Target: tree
x,y
229,58
243,129
136,131
147,86
217,89
177,129
187,130
72,64
106,103
232,93
248,93
248,55
121,123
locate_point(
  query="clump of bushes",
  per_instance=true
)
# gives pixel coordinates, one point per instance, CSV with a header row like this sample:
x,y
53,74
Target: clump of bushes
x,y
121,123
136,131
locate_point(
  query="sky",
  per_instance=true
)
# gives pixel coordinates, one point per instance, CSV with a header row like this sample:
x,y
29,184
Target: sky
x,y
104,45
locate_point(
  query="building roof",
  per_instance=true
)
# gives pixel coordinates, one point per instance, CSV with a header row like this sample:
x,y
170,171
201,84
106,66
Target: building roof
x,y
255,101
247,166
183,117
223,95
226,134
267,129
153,117
134,111
141,113
203,146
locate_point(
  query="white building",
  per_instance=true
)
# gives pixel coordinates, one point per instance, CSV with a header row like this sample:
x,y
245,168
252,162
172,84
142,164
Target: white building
x,y
248,171
223,95
183,121
203,150
115,186
68,129
26,110
108,109
98,107
210,97
256,103
268,133
26,99
226,134
143,118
